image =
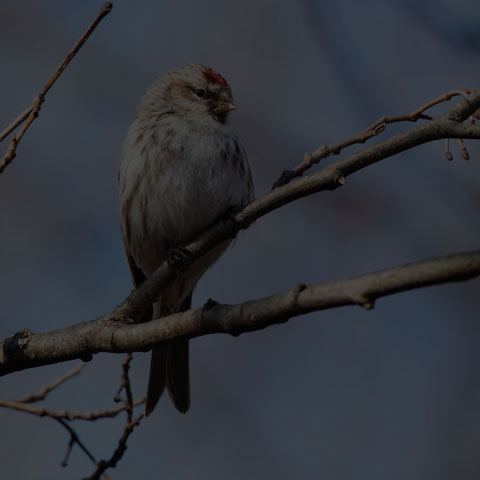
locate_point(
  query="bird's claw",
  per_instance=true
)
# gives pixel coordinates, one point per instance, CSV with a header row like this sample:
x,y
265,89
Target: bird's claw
x,y
230,213
210,303
180,257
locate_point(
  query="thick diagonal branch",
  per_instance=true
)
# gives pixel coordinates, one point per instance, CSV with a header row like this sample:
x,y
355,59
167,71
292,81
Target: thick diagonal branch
x,y
328,178
119,334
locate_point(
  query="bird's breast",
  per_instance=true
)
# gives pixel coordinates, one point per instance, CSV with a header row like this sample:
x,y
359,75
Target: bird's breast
x,y
192,176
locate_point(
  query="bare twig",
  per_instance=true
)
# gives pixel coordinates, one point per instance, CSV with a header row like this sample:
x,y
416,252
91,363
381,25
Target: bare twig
x,y
448,153
61,416
130,424
125,385
75,439
64,414
23,404
374,129
27,118
13,125
463,149
31,398
29,115
128,405
119,451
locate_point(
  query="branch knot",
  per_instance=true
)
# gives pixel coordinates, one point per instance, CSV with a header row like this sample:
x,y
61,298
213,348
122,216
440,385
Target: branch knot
x,y
14,345
363,300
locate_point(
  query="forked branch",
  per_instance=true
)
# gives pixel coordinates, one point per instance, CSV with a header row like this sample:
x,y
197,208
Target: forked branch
x,y
31,113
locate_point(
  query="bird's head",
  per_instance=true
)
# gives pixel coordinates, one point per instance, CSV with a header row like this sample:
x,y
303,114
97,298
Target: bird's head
x,y
194,90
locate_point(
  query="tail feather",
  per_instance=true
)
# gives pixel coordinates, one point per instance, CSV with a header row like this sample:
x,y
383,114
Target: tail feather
x,y
178,375
157,378
169,366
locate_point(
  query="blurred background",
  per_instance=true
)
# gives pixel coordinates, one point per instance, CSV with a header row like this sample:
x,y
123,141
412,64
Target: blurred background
x,y
391,393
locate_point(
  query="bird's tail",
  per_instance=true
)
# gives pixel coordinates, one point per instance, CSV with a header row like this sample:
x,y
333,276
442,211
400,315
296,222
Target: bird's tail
x,y
169,367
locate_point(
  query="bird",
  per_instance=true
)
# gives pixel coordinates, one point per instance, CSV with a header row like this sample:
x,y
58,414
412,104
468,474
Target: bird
x,y
181,169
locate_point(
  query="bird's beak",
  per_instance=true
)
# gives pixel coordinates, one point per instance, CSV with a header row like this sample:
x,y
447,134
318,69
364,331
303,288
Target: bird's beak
x,y
224,108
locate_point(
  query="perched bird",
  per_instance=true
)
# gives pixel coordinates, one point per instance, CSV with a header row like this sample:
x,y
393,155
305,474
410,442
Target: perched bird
x,y
181,169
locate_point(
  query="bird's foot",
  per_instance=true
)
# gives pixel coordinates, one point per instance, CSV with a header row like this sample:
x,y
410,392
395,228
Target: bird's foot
x,y
210,303
180,257
228,216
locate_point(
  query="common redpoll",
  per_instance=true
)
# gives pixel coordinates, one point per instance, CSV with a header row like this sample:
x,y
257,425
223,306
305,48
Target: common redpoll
x,y
181,168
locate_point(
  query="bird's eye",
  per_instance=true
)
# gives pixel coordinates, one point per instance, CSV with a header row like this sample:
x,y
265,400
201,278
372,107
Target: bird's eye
x,y
200,92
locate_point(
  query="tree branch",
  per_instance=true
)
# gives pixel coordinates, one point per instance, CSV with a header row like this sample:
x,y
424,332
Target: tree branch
x,y
36,397
116,331
120,331
118,334
119,451
31,113
63,417
329,177
64,414
130,423
74,439
373,130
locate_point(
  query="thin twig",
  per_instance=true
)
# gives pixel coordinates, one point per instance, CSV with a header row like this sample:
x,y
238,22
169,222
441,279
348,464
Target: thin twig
x,y
75,439
18,121
463,149
125,385
374,129
448,153
35,397
64,414
130,424
119,451
27,118
60,417
29,115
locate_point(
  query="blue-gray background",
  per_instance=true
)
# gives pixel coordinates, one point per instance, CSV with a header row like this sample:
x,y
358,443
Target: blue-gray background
x,y
345,394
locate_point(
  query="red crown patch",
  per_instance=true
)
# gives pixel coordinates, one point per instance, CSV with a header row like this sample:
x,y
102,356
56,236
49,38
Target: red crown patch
x,y
214,77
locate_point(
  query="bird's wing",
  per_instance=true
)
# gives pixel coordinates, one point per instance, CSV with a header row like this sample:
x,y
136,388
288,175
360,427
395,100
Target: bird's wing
x,y
138,277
